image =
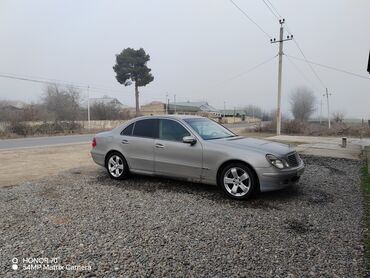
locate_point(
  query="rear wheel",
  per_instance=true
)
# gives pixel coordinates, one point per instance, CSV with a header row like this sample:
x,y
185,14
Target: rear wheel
x,y
237,181
117,166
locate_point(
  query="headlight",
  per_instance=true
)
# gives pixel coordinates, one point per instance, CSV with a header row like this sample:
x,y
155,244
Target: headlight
x,y
277,162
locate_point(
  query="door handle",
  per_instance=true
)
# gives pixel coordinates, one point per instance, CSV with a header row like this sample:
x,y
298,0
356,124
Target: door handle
x,y
159,146
124,141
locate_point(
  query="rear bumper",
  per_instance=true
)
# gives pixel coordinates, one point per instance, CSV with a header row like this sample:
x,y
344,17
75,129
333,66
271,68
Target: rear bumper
x,y
274,179
98,158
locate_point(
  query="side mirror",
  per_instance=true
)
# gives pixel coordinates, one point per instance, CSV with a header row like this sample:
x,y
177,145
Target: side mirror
x,y
189,140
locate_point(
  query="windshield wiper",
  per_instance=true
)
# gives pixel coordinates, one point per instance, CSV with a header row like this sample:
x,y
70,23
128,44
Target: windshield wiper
x,y
221,137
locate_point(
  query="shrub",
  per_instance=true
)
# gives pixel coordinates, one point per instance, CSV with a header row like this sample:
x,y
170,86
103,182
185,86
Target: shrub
x,y
287,127
293,127
56,127
18,128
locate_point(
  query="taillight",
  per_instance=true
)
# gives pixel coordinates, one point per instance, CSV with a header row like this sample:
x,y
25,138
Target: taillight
x,y
93,144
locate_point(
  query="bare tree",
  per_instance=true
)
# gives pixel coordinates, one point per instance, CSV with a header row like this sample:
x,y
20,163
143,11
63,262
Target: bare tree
x,y
338,116
62,103
253,111
302,102
271,116
105,111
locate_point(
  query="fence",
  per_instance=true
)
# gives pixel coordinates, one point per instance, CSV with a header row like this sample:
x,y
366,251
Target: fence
x,y
84,124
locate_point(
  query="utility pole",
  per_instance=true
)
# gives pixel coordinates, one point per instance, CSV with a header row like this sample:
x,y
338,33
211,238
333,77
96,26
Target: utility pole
x,y
166,104
281,53
320,110
88,107
327,94
174,99
224,109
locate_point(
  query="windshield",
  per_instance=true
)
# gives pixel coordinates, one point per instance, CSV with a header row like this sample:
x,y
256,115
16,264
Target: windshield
x,y
208,129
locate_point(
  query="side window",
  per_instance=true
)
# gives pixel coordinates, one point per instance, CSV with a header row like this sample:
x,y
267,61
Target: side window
x,y
128,130
171,130
146,128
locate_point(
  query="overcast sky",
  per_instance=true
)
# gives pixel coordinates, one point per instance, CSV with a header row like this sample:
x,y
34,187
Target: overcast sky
x,y
196,48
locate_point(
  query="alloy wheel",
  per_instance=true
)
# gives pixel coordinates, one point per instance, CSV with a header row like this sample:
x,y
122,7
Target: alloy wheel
x,y
115,166
237,181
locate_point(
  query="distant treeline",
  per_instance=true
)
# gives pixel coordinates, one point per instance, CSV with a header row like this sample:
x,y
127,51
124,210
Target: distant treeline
x,y
60,104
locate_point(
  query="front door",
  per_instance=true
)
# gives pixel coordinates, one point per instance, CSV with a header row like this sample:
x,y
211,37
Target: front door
x,y
174,158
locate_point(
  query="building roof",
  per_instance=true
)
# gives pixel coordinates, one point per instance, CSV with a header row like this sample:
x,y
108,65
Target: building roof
x,y
194,105
104,100
155,102
14,104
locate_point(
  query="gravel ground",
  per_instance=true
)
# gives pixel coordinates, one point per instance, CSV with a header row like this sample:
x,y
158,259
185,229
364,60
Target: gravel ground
x,y
161,228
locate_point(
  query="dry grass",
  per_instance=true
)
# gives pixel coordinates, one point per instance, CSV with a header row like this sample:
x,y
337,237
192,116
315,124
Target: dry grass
x,y
254,134
292,127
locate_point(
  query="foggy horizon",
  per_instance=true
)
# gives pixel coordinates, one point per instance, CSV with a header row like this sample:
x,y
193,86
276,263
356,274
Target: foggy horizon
x,y
199,50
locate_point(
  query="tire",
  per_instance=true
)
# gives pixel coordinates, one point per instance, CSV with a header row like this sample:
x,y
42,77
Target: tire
x,y
238,181
117,166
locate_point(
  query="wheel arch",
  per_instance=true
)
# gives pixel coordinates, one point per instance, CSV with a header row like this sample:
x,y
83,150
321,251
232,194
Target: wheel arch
x,y
230,161
109,153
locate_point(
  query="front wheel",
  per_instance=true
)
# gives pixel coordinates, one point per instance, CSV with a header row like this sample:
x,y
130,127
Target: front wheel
x,y
237,181
117,166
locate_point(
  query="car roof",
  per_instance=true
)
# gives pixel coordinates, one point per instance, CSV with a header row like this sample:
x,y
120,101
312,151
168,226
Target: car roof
x,y
179,117
168,117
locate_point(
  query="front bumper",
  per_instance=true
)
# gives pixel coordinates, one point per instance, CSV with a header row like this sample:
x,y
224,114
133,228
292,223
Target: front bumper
x,y
274,179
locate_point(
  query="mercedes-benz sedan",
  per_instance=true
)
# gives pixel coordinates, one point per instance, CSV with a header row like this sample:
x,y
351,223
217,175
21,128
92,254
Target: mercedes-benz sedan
x,y
196,149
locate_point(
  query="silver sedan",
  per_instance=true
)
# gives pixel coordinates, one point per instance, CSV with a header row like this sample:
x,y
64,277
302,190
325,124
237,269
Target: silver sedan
x,y
196,149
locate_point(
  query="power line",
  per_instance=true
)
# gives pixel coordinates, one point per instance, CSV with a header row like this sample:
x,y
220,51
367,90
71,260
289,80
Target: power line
x,y
39,81
36,78
273,10
273,7
299,71
311,67
250,69
270,9
25,79
250,19
331,67
58,81
47,81
276,13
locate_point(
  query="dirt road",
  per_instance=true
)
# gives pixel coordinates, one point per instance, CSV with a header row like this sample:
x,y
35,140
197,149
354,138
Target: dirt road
x,y
17,166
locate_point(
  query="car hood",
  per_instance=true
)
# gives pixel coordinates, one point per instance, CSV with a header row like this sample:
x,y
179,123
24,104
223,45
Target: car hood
x,y
246,143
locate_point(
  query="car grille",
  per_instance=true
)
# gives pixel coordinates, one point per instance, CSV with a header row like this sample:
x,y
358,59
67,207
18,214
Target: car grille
x,y
293,159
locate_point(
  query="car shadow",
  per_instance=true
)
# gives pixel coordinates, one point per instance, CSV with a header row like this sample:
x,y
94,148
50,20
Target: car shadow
x,y
264,200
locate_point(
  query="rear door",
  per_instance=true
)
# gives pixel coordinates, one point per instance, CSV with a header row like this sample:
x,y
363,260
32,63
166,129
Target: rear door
x,y
174,158
137,144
